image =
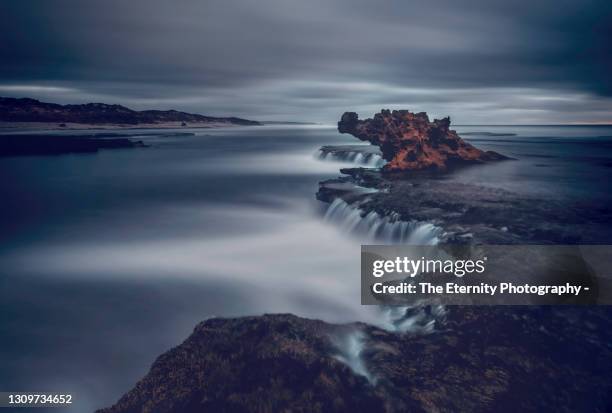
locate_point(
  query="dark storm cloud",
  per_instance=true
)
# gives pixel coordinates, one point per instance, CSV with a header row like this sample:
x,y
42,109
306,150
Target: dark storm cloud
x,y
300,60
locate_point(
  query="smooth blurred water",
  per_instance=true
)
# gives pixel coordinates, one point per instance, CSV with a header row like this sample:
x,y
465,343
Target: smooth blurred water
x,y
556,161
109,259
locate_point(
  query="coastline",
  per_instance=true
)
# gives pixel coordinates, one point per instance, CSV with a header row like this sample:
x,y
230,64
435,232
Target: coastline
x,y
42,126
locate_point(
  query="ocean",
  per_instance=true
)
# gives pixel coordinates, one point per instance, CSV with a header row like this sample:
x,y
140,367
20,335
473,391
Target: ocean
x,y
109,259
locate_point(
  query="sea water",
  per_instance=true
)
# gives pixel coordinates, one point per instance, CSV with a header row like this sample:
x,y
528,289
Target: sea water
x,y
109,259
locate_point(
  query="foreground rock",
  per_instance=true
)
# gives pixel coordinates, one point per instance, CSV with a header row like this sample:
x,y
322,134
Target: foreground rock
x,y
254,364
409,141
31,110
479,360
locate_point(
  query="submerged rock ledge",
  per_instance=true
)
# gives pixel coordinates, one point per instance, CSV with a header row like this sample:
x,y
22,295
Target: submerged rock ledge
x,y
480,359
470,213
409,141
48,144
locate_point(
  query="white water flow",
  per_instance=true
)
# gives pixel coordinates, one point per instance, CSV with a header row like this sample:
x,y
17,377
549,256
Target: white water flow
x,y
371,160
350,348
389,229
386,229
400,320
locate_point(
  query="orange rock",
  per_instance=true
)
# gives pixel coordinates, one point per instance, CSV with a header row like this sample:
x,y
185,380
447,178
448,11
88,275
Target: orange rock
x,y
409,141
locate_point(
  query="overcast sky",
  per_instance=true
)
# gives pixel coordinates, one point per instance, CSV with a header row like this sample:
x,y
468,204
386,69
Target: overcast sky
x,y
481,61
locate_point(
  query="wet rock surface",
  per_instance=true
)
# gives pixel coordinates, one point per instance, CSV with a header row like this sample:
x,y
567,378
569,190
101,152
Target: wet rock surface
x,y
503,359
410,141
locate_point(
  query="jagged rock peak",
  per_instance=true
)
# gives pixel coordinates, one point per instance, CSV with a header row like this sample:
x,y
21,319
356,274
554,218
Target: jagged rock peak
x,y
410,141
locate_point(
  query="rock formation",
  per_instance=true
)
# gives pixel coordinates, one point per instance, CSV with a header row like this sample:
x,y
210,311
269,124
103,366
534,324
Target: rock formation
x,y
409,141
273,363
480,359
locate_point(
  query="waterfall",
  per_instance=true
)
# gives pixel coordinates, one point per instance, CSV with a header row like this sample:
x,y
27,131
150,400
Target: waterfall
x,y
390,229
412,319
370,160
401,320
350,347
374,227
417,319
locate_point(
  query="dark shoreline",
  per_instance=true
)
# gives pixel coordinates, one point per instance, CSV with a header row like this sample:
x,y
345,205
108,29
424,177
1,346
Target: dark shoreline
x,y
45,144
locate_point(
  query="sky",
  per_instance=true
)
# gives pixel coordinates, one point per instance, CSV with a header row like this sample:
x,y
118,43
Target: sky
x,y
478,61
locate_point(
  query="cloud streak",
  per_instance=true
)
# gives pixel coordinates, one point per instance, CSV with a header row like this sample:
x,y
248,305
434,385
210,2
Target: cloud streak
x,y
477,60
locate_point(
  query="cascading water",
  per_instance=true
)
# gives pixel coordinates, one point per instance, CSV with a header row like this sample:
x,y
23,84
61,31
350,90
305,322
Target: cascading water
x,y
388,229
371,160
350,348
401,320
412,319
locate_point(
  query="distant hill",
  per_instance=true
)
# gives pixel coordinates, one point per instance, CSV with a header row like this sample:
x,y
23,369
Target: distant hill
x,y
32,110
